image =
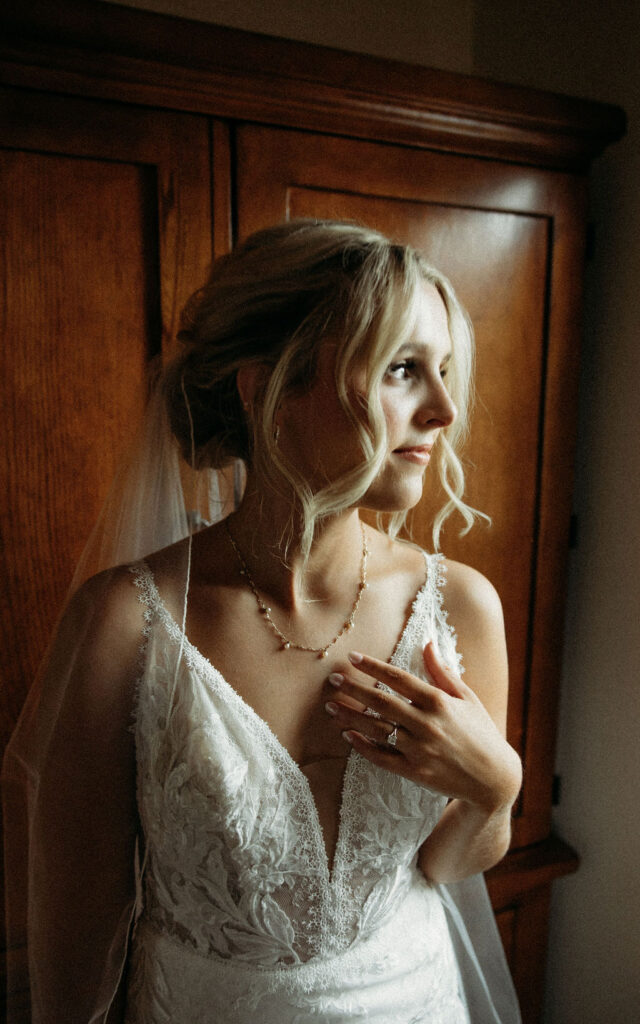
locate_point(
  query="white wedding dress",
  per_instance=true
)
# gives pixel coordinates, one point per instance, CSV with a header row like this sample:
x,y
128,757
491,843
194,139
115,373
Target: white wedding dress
x,y
244,920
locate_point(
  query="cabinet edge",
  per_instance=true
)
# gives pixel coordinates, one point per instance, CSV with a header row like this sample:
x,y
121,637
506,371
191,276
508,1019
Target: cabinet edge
x,y
530,868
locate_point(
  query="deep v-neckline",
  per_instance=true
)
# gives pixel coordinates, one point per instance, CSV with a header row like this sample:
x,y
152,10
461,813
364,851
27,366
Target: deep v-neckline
x,y
332,866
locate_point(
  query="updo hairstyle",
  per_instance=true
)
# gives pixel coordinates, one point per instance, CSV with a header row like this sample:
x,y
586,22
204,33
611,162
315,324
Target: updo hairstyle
x,y
273,300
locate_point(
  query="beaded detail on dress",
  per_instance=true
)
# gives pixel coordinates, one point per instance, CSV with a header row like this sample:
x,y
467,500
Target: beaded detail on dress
x,y
237,873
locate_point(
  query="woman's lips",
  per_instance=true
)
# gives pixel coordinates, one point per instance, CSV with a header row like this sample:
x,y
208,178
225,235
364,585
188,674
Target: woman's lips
x,y
420,455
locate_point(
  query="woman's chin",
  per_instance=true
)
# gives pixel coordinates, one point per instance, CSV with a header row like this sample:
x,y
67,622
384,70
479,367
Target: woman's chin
x,y
393,499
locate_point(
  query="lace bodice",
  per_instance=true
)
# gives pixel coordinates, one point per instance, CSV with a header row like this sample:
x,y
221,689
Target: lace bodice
x,y
236,865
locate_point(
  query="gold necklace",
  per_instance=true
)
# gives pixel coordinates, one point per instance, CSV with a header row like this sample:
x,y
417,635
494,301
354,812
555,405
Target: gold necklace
x,y
265,611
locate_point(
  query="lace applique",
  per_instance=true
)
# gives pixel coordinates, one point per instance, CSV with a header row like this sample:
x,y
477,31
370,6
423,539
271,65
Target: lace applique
x,y
143,581
444,628
237,874
429,621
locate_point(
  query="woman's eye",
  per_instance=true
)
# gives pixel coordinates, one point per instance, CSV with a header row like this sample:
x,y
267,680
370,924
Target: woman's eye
x,y
402,370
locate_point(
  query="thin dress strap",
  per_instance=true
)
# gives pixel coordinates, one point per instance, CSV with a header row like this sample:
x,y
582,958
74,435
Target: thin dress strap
x,y
148,597
428,621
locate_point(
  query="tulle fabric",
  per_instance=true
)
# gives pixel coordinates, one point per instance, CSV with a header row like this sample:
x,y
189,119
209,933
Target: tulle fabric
x,y
146,509
49,861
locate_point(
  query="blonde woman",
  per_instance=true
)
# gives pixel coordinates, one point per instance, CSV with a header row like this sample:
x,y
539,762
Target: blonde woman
x,y
307,771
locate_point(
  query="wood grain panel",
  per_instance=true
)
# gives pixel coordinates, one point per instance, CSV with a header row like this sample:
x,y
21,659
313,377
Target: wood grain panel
x,y
529,955
74,371
175,150
106,231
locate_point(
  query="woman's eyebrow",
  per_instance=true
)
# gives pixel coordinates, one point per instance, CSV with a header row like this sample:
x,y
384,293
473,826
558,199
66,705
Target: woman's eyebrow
x,y
411,346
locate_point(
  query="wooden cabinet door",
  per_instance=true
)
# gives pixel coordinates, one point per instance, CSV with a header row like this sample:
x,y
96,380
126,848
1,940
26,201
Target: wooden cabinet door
x,y
104,232
510,238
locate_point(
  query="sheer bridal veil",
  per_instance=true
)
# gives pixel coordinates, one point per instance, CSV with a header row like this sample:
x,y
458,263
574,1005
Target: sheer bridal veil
x,y
155,500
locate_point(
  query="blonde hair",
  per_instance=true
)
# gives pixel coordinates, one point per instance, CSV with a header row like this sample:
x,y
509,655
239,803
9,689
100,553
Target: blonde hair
x,y
273,301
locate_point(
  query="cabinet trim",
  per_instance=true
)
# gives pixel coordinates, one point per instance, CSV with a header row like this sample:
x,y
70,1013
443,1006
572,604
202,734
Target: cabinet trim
x,y
111,52
529,869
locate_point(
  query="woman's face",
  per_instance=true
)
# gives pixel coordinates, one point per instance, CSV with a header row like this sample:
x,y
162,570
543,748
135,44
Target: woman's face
x,y
317,436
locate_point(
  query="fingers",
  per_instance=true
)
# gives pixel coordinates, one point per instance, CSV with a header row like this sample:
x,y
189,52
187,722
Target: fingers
x,y
403,683
378,730
440,674
385,705
366,713
382,756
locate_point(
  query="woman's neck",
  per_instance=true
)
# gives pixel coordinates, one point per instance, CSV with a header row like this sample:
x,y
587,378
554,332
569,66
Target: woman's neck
x,y
269,540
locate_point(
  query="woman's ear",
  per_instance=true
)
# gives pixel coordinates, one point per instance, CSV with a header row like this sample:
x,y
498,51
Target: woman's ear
x,y
250,379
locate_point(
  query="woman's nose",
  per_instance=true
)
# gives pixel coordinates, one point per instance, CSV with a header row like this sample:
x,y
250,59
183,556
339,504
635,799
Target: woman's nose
x,y
438,408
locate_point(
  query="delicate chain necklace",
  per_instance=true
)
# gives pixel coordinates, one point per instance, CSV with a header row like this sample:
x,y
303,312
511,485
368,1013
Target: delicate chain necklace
x,y
265,611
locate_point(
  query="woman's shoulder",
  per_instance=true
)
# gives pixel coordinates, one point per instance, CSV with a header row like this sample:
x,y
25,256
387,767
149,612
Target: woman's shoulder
x,y
117,600
95,656
105,610
469,594
474,610
467,591
108,596
104,620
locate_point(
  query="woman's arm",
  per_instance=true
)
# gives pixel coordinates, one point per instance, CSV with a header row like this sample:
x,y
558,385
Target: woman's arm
x,y
451,736
474,832
82,876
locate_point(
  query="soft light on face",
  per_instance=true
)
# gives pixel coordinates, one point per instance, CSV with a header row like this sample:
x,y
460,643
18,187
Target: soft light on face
x,y
319,440
416,405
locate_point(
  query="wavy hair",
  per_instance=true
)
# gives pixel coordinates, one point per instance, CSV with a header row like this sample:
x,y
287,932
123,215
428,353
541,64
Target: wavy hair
x,y
273,300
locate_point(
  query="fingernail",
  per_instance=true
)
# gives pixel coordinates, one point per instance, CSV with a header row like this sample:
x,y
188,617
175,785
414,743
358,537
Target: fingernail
x,y
331,708
336,679
355,657
348,736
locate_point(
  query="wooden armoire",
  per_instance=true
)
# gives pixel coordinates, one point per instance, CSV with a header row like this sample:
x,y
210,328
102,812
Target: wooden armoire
x,y
134,148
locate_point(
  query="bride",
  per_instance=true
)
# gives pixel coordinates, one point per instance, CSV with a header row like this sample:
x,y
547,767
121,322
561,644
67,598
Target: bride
x,y
274,837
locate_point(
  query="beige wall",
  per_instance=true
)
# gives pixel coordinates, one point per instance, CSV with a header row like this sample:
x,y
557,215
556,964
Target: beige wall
x,y
588,48
436,33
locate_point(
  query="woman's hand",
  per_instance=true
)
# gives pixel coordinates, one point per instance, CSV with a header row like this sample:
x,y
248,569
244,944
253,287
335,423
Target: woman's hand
x,y
445,740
